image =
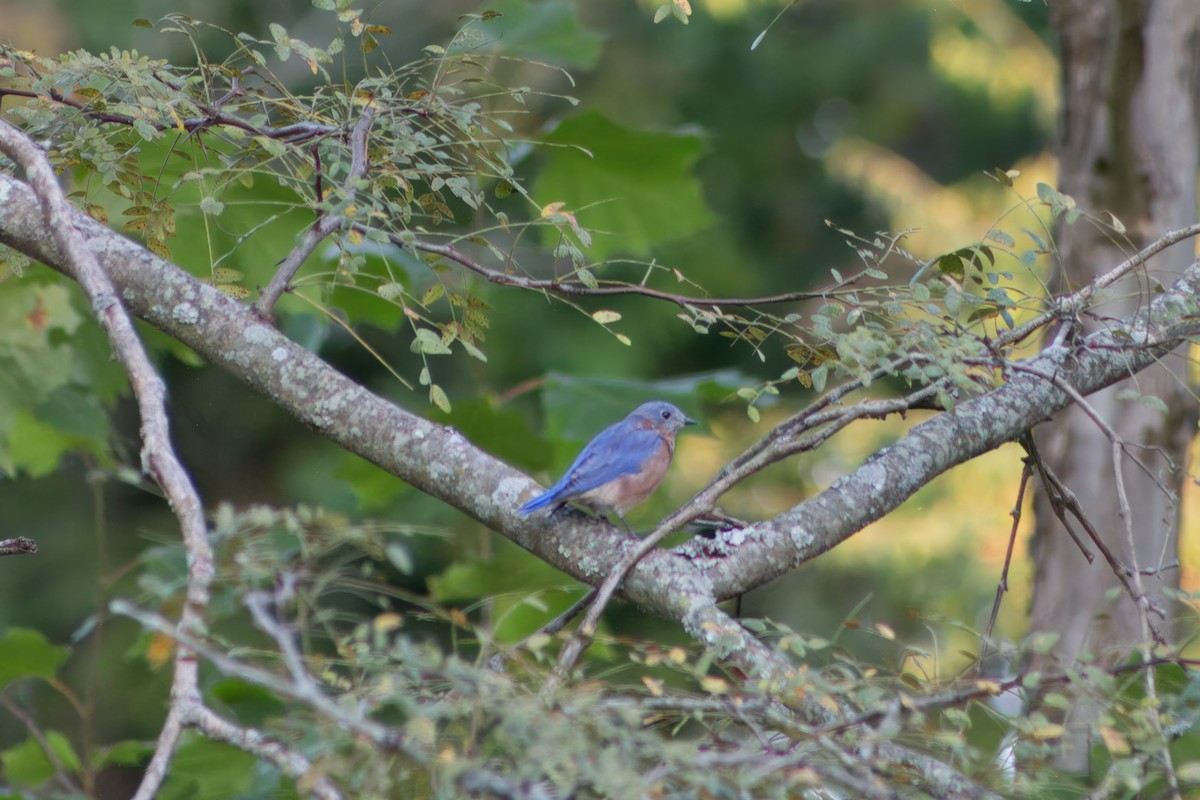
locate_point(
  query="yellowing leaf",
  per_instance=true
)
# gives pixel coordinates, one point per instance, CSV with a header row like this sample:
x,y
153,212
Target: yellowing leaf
x,y
159,651
537,641
653,685
1114,741
226,275
390,291
714,684
885,631
1048,732
232,290
387,622
605,316
422,729
433,294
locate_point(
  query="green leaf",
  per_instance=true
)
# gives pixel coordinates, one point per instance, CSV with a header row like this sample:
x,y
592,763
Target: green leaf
x,y
548,30
1002,238
819,376
1001,176
500,429
950,264
129,753
26,653
636,185
27,763
252,705
392,290
35,447
399,557
437,396
587,278
206,770
517,583
985,311
373,487
429,342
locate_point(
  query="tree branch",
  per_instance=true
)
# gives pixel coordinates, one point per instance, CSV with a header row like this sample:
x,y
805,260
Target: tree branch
x,y
683,587
18,546
439,461
159,461
889,477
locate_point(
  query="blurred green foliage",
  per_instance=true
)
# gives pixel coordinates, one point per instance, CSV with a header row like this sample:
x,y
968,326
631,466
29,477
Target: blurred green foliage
x,y
676,149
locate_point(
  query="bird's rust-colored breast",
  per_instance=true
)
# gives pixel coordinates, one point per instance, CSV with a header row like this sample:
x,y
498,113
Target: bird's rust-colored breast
x,y
627,491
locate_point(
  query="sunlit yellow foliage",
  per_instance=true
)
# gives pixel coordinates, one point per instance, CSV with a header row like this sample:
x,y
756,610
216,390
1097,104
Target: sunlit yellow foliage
x,y
1003,57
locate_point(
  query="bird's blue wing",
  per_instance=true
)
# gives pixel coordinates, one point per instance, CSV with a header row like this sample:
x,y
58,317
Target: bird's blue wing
x,y
619,449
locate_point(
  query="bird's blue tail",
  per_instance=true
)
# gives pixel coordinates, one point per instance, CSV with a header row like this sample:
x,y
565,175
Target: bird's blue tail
x,y
541,501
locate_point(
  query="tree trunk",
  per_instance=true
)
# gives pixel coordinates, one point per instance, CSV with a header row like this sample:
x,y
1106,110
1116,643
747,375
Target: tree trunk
x,y
1129,143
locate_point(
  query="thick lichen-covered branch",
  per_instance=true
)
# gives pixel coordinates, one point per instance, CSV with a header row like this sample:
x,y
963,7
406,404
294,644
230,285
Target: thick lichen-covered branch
x,y
440,461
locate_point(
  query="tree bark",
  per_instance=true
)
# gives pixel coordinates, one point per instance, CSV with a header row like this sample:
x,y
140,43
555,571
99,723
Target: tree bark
x,y
1128,144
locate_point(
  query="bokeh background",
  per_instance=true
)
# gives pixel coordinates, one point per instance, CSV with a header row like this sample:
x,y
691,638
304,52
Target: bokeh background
x,y
875,116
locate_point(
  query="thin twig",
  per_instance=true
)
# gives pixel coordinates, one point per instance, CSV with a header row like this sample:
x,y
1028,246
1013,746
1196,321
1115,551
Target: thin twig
x,y
305,691
1068,306
61,773
294,132
1062,502
979,690
569,289
1128,575
1002,586
326,225
1150,634
561,621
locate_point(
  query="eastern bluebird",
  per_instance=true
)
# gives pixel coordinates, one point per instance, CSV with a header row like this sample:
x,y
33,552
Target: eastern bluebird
x,y
622,465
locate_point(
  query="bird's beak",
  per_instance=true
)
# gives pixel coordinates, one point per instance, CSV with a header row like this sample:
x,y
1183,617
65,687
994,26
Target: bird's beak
x,y
689,421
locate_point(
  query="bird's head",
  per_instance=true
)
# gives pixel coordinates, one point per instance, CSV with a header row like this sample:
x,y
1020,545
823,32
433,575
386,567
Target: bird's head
x,y
661,415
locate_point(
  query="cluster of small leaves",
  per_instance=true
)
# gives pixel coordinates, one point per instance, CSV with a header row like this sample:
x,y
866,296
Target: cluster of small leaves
x,y
165,148
55,397
464,716
151,141
940,327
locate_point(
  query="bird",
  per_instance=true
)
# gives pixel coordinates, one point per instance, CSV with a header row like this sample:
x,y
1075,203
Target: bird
x,y
621,466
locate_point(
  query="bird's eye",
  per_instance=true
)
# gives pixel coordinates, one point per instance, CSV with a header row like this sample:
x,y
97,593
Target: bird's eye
x,y
666,414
